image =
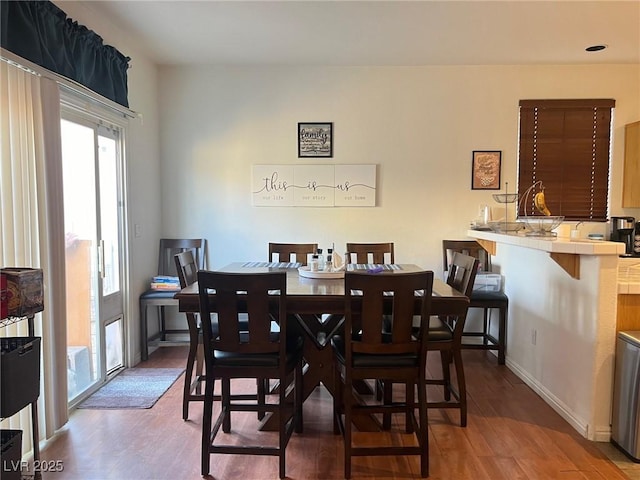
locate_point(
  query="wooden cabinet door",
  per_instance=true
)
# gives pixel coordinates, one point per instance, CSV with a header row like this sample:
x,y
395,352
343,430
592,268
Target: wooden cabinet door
x,y
631,179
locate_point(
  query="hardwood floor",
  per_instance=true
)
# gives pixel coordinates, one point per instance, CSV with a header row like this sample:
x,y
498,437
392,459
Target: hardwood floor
x,y
511,434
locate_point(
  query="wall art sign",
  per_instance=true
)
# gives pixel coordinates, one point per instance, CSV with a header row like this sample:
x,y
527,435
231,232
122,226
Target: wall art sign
x,y
485,172
314,186
315,139
355,186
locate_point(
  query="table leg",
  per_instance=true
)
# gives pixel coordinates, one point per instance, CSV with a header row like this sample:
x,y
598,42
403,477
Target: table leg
x,y
320,366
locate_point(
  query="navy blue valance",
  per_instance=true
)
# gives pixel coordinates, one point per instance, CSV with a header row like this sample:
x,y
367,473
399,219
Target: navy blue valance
x,y
43,34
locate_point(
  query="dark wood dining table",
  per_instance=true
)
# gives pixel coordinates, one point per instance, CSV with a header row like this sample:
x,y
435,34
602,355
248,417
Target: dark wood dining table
x,y
318,304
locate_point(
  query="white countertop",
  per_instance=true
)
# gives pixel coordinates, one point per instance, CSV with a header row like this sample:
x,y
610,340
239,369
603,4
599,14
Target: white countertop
x,y
556,245
628,268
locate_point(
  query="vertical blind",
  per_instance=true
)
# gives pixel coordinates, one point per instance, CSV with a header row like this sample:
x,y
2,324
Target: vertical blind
x,y
565,145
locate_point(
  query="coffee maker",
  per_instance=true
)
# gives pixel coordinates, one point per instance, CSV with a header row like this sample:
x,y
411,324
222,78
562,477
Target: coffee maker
x,y
623,230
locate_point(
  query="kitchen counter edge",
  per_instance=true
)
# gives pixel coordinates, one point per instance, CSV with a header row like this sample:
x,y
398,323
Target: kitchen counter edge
x,y
628,281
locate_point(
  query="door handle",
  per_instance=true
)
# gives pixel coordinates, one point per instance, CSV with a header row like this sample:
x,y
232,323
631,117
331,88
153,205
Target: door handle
x,y
101,258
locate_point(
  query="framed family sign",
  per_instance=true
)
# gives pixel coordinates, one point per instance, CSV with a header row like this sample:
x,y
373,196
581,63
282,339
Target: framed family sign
x,y
485,170
315,139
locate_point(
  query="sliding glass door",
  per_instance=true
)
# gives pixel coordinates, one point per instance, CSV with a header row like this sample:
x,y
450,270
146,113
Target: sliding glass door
x,y
92,184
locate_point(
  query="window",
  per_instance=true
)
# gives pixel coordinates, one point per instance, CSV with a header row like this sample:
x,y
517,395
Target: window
x,y
565,145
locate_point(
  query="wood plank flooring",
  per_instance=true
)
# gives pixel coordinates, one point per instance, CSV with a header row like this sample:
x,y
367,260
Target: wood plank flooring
x,y
511,435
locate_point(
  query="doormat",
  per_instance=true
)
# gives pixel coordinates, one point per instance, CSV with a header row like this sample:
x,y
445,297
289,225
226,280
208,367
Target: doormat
x,y
134,388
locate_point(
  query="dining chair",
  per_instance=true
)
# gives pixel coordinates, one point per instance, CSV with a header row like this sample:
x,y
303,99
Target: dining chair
x,y
256,353
163,298
377,253
192,390
371,253
445,336
299,252
292,252
486,300
364,352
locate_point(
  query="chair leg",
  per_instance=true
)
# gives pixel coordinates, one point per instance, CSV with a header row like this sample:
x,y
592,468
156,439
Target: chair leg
x,y
486,325
379,388
446,374
346,398
297,399
206,425
387,398
423,434
199,366
144,335
411,402
282,427
502,334
163,327
226,403
261,395
188,375
337,398
462,386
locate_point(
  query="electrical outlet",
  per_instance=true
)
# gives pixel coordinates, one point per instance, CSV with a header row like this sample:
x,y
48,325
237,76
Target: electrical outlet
x,y
137,230
534,336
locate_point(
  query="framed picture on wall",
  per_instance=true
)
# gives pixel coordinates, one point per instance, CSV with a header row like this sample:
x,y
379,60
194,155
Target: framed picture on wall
x,y
315,139
485,170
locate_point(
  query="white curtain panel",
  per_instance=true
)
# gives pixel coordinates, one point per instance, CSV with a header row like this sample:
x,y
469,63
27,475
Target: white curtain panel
x,y
31,233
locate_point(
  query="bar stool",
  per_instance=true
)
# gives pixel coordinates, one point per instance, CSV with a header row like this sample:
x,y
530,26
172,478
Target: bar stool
x,y
482,299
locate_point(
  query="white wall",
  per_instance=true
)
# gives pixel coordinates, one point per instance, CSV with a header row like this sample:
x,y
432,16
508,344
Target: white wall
x,y
419,124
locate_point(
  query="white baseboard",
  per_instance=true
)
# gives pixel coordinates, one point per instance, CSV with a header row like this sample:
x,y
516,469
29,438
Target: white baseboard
x,y
599,434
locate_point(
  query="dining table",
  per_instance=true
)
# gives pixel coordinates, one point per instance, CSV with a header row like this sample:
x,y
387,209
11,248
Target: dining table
x,y
318,305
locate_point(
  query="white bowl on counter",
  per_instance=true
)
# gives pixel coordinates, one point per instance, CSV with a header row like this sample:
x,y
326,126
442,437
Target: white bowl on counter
x,y
541,226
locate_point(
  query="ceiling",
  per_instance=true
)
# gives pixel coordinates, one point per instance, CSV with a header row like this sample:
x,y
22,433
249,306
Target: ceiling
x,y
394,33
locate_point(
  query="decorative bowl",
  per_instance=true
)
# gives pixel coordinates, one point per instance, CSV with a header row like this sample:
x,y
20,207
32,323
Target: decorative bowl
x,y
506,227
505,197
541,226
306,272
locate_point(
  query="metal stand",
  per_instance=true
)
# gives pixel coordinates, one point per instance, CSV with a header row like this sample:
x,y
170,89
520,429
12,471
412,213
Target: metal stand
x,y
35,435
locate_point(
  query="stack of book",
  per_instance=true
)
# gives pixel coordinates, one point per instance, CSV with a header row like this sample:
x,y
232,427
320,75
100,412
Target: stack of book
x,y
164,282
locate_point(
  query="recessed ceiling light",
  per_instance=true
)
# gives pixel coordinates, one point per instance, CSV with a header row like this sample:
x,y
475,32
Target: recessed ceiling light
x,y
595,48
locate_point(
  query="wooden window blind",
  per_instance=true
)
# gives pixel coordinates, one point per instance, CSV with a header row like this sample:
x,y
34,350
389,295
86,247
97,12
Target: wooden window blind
x,y
565,144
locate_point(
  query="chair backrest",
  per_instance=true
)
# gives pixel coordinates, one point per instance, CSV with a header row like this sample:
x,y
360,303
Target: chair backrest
x,y
186,267
379,252
462,273
365,312
236,295
468,247
285,251
171,246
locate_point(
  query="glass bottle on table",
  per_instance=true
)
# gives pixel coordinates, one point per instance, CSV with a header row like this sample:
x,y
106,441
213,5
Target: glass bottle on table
x,y
313,264
328,266
320,259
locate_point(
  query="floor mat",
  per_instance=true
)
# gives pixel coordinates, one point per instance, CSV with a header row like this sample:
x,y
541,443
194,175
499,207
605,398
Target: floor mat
x,y
134,388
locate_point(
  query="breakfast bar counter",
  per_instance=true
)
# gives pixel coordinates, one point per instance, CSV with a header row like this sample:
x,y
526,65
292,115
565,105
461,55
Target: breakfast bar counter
x,y
562,321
